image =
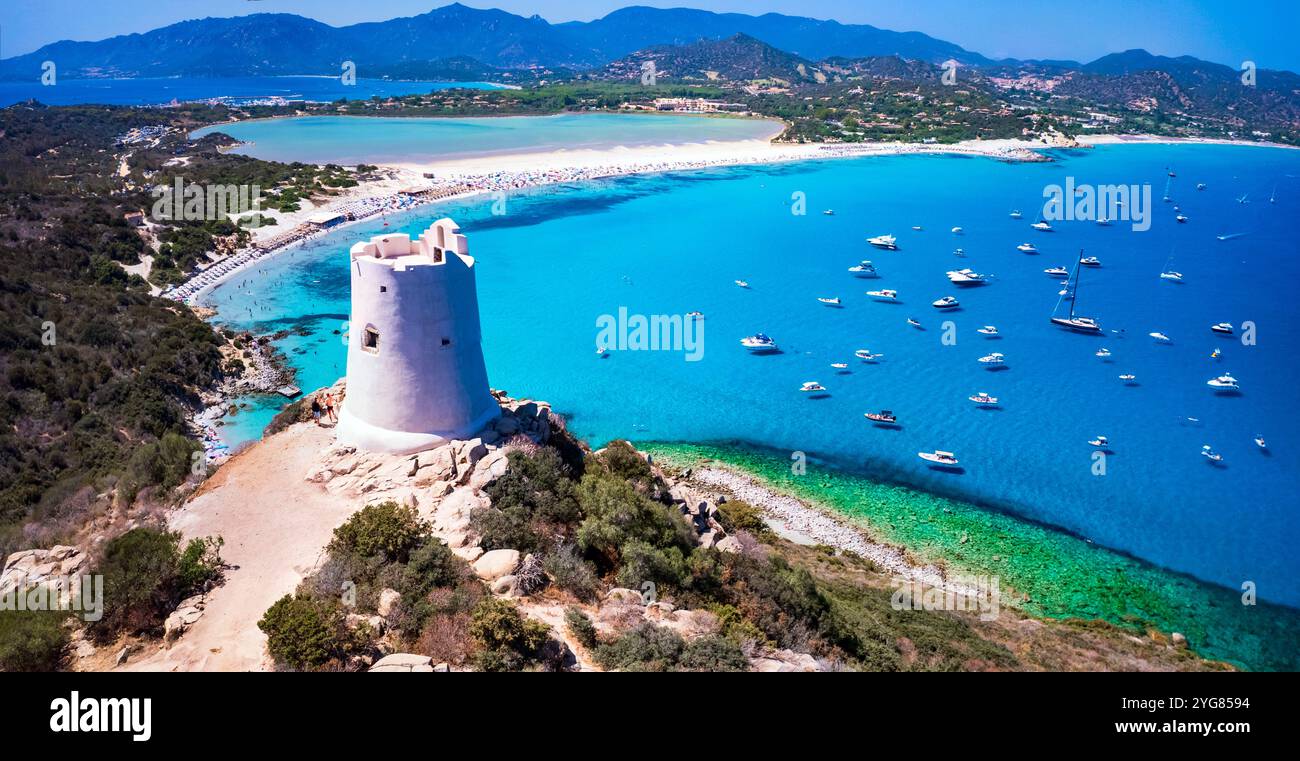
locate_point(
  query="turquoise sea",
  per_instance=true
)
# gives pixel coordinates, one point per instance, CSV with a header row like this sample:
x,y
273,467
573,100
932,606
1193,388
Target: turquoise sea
x,y
668,244
354,139
152,91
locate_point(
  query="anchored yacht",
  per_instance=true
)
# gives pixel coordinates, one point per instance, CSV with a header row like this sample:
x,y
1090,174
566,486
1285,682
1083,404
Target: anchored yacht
x,y
887,242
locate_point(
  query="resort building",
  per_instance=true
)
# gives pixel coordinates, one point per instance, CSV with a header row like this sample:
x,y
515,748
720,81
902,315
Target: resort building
x,y
415,368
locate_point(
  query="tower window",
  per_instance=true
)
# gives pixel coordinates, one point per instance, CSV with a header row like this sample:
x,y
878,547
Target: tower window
x,y
370,340
446,342
383,289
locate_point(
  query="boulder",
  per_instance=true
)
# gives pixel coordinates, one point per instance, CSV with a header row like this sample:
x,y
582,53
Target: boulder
x,y
1178,639
488,469
495,564
403,662
624,595
507,426
504,585
388,600
729,544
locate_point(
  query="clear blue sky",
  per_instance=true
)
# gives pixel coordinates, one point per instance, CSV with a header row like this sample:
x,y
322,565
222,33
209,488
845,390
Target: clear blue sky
x,y
1217,30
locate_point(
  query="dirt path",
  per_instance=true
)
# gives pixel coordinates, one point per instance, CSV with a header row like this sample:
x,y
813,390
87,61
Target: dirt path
x,y
275,525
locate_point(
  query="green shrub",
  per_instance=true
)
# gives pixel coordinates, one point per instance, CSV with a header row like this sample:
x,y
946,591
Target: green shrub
x,y
305,633
735,515
568,571
32,640
200,562
581,627
386,530
617,514
534,502
140,580
713,653
644,648
507,640
642,563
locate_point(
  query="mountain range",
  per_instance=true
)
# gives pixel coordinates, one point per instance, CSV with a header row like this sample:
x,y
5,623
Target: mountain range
x,y
270,44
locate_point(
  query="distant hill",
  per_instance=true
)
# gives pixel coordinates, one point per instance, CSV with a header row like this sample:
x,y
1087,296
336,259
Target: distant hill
x,y
736,58
279,43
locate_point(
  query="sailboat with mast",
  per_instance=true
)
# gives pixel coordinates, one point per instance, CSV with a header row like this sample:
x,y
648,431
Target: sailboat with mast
x,y
1072,321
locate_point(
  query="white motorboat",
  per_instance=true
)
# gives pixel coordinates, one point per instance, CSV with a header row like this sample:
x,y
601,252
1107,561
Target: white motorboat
x,y
1200,186
914,323
887,242
1100,441
866,355
1128,378
916,228
742,283
602,352
1090,261
1015,214
1103,352
996,358
1057,272
1027,248
758,342
1181,219
829,301
864,269
988,330
1259,441
956,231
811,386
983,399
1042,227
840,365
1210,454
1223,327
1160,337
966,277
829,212
1103,222
1224,382
947,302
938,456
885,294
884,416
1172,276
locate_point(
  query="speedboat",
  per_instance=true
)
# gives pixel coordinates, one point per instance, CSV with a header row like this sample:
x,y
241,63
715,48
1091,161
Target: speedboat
x,y
864,269
1057,272
966,277
1015,214
1103,352
947,302
867,356
742,283
887,242
1200,186
983,398
1215,354
832,302
811,386
1210,454
1100,441
956,231
1160,337
1103,222
1259,441
1222,327
913,323
829,212
1042,227
1027,248
960,252
988,330
938,456
758,343
916,228
884,295
884,416
1090,261
695,315
1173,276
1180,219
1128,379
1225,382
602,352
840,365
995,358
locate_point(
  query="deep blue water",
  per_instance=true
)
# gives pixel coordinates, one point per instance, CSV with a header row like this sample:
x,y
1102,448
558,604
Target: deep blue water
x,y
157,91
669,244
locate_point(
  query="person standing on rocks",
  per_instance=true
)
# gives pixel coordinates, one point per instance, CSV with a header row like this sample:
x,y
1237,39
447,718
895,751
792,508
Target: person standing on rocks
x,y
329,407
315,410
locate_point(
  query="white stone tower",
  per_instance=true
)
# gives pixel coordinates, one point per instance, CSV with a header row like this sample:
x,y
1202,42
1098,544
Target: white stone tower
x,y
415,361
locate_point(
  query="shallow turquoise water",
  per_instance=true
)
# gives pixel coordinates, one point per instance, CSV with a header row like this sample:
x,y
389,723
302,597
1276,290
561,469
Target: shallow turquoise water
x,y
673,243
352,140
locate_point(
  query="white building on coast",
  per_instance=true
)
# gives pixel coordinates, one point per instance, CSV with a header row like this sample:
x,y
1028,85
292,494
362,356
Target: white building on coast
x,y
415,370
